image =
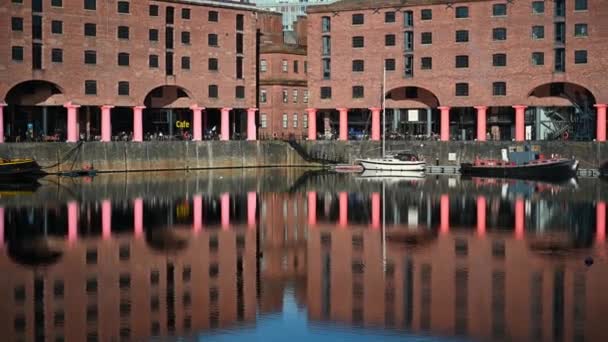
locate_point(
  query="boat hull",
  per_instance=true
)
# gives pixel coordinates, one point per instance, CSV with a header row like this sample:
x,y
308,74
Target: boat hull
x,y
20,169
551,170
383,165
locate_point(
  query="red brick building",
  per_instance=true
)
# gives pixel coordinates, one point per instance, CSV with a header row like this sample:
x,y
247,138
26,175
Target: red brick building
x,y
142,67
484,69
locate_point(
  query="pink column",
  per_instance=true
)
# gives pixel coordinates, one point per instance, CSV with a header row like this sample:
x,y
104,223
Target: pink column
x,y
225,210
343,204
444,214
252,199
106,219
1,227
481,216
375,210
519,218
600,223
375,123
481,122
2,105
225,124
520,122
197,113
138,217
106,123
312,208
601,122
251,129
138,123
343,124
445,123
72,222
72,121
198,214
312,123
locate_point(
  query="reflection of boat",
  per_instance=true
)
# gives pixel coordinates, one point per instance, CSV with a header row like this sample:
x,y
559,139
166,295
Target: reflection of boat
x,y
391,175
19,168
399,162
411,237
18,187
555,243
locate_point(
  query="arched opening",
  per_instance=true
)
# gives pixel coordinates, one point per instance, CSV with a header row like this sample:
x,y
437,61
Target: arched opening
x,y
35,112
168,115
563,111
411,113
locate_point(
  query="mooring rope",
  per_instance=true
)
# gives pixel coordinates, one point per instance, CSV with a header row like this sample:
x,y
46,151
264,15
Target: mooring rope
x,y
65,157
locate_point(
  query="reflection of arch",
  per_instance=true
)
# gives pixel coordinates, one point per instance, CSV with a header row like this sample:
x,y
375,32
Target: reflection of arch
x,y
35,252
168,96
167,240
416,95
36,93
572,92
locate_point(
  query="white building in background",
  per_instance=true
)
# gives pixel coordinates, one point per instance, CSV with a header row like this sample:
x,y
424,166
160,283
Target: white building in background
x,y
291,9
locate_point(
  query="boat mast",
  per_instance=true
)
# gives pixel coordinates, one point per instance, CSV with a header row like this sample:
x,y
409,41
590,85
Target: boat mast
x,y
383,109
383,228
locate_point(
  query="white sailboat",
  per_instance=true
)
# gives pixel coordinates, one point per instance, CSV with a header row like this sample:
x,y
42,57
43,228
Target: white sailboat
x,y
395,162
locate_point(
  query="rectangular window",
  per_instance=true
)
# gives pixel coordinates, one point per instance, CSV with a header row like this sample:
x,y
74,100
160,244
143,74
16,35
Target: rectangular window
x,y
304,121
408,41
389,17
240,22
305,96
389,64
36,56
284,65
169,37
90,87
580,5
560,60
358,65
358,19
499,59
185,13
263,120
285,120
213,16
306,67
239,68
580,57
213,64
295,96
239,43
186,63
358,92
408,19
408,66
123,32
153,61
169,63
153,35
499,33
296,67
263,65
538,58
462,61
57,3
538,7
325,93
285,96
263,96
580,30
90,57
57,26
325,24
186,38
17,53
36,27
426,63
57,55
462,12
462,89
169,14
358,42
122,7
295,120
123,88
389,40
499,10
153,10
123,59
560,33
213,91
90,4
326,68
462,36
90,30
538,32
426,14
212,39
560,8
326,45
499,88
426,38
239,92
17,24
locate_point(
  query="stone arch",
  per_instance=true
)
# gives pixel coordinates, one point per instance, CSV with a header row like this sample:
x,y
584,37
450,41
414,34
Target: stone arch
x,y
36,93
572,92
168,96
413,96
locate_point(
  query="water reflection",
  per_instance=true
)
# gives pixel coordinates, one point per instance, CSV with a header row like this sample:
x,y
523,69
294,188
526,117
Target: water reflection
x,y
489,260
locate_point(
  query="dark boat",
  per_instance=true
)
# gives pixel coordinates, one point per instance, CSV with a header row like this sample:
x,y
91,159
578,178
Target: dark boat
x,y
20,169
523,165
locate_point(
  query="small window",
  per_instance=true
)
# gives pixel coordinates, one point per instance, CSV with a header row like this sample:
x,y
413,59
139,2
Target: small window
x,y
499,59
123,90
153,35
284,65
426,63
57,26
462,61
408,19
305,96
426,14
325,93
580,30
285,120
499,10
538,7
213,91
462,12
90,4
90,57
462,36
263,96
153,61
306,67
213,64
91,256
239,92
358,92
185,63
212,39
499,33
304,121
123,59
538,32
296,67
285,96
326,63
57,55
580,5
499,88
389,40
263,120
17,53
295,120
185,13
17,24
358,42
123,7
580,57
153,10
58,289
358,19
389,17
325,24
389,64
295,95
213,16
90,88
240,22
90,30
462,89
426,38
358,65
538,58
57,3
186,38
123,32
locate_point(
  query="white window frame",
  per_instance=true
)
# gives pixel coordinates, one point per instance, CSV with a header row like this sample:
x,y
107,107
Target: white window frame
x,y
285,65
295,120
305,121
263,65
263,96
305,96
263,120
285,120
295,95
285,96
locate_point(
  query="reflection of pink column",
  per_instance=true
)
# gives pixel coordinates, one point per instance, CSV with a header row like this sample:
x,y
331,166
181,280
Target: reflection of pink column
x,y
72,121
1,227
343,204
225,124
198,213
481,122
520,123
343,124
445,123
481,216
375,210
312,123
196,123
600,223
312,208
138,123
601,121
444,212
252,199
106,219
251,129
72,221
519,218
138,217
225,207
106,123
2,105
375,123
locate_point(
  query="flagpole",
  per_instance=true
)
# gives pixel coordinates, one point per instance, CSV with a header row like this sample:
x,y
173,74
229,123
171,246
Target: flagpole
x,y
383,109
